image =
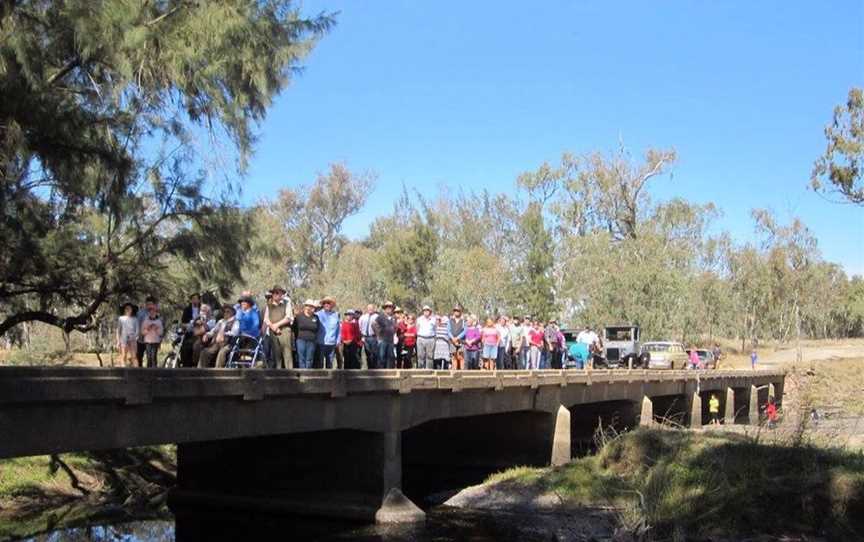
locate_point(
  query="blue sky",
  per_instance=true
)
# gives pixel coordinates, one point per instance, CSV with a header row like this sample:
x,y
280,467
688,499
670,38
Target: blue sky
x,y
470,94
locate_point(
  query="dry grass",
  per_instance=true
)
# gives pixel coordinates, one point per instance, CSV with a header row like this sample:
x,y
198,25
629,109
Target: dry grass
x,y
667,484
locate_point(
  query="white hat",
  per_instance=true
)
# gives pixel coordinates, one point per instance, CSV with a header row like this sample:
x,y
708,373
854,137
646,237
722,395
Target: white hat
x,y
427,308
311,303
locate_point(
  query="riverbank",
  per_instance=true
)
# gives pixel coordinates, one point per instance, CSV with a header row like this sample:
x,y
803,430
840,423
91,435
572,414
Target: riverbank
x,y
44,493
671,484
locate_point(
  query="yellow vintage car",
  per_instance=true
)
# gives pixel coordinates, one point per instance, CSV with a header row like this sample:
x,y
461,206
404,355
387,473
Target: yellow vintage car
x,y
666,355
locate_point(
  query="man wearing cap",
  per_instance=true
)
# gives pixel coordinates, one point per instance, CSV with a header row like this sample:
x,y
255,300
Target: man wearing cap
x,y
384,327
329,333
425,339
278,317
370,342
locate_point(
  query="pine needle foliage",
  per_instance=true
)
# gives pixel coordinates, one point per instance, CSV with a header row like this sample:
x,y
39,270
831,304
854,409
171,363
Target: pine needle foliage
x,y
105,107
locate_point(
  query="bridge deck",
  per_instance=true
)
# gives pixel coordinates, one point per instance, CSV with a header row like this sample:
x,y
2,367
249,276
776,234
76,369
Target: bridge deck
x,y
52,410
139,386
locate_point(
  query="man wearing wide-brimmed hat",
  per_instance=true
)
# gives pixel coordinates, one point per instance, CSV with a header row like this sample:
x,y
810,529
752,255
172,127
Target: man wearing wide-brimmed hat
x,y
278,317
329,333
425,338
306,330
385,331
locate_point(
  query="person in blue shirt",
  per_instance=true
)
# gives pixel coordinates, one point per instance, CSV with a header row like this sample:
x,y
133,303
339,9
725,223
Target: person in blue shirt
x,y
248,317
754,359
329,333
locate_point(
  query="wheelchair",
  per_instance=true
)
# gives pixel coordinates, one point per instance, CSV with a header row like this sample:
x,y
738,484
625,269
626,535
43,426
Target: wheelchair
x,y
246,351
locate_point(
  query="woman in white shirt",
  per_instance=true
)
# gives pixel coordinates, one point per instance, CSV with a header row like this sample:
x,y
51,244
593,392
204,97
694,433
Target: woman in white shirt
x,y
127,335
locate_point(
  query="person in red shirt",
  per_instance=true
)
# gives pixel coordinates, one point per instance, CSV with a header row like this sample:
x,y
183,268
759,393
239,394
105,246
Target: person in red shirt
x,y
408,338
771,413
352,341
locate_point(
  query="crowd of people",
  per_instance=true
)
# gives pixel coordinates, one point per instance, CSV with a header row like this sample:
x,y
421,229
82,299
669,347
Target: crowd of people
x,y
315,335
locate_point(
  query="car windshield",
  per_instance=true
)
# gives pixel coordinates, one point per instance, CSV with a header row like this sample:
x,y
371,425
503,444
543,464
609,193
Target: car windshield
x,y
657,347
618,333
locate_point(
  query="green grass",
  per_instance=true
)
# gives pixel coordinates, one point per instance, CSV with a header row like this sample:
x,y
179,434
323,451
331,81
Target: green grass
x,y
709,485
36,496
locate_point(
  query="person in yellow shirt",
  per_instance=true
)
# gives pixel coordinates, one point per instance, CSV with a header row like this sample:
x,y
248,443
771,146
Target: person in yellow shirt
x,y
714,409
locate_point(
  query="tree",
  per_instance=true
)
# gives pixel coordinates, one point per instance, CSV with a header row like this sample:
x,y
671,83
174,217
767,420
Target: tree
x,y
103,105
472,278
841,168
409,257
310,221
536,286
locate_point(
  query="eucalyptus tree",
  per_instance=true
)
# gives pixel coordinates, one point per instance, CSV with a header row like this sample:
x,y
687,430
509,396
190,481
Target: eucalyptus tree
x,y
840,169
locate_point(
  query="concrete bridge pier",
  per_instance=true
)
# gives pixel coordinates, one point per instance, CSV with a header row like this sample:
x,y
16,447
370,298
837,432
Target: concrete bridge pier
x,y
695,410
754,406
646,417
729,410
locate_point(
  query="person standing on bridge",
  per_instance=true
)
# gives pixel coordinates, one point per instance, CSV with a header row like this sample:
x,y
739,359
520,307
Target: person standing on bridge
x,y
352,342
443,353
384,327
754,359
329,332
278,317
472,344
152,330
518,344
190,314
127,334
535,341
426,339
306,326
491,338
502,359
456,336
370,342
695,362
143,312
409,341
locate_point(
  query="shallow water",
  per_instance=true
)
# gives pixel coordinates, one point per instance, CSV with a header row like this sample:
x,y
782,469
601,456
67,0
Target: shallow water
x,y
442,525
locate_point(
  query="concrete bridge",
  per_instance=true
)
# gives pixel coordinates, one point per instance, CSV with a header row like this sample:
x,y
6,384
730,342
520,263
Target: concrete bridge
x,y
335,443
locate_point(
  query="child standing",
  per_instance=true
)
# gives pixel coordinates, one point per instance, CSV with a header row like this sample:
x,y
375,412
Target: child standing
x,y
714,409
490,338
753,359
152,329
127,335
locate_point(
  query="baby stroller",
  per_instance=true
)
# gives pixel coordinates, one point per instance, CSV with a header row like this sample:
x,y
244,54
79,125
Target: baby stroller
x,y
246,351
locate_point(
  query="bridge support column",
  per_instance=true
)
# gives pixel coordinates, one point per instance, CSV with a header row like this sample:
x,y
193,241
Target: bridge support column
x,y
771,390
754,405
695,411
646,417
729,413
561,450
